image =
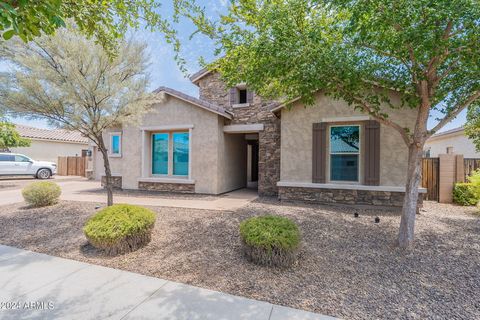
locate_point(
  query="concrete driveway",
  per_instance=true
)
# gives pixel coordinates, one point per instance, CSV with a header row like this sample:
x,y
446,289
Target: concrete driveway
x,y
80,189
11,188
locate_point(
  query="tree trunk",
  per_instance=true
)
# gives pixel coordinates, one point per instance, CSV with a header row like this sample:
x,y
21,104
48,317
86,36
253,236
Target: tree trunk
x,y
410,202
108,172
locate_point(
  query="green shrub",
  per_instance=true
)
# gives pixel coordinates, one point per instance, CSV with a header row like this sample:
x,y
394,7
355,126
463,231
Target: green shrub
x,y
41,194
120,228
468,194
464,195
270,240
474,179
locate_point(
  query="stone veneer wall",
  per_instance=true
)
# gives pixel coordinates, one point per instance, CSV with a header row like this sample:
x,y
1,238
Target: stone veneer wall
x,y
344,196
167,187
213,89
116,180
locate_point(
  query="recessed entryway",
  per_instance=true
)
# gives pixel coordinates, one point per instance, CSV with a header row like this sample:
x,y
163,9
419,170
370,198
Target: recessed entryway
x,y
252,164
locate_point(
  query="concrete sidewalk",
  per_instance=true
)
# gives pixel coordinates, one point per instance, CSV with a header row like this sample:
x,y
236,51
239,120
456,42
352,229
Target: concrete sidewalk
x,y
38,286
229,201
80,190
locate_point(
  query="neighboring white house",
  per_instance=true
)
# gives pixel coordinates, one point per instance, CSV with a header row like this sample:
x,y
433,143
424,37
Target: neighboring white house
x,y
451,141
48,144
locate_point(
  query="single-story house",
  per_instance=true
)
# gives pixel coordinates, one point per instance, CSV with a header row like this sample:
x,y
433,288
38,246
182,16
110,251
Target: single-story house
x,y
49,144
451,141
231,138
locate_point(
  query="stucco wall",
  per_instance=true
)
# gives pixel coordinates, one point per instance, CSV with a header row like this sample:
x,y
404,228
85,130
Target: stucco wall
x,y
43,150
460,143
296,140
204,144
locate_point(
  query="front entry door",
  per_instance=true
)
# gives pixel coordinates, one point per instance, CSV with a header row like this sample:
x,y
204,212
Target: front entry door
x,y
254,161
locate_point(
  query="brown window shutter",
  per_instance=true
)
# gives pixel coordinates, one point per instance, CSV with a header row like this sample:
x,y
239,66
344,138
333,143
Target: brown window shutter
x,y
319,156
372,153
249,96
233,96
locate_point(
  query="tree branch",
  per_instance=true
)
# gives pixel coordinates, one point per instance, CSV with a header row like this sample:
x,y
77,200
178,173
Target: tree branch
x,y
367,108
456,111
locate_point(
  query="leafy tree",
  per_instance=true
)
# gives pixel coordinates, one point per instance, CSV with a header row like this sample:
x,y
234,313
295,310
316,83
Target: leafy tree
x,y
10,138
472,128
106,20
357,50
74,83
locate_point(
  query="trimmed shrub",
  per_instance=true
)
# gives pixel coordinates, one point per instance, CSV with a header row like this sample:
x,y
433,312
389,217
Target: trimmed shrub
x,y
120,228
468,194
270,240
463,194
41,194
474,179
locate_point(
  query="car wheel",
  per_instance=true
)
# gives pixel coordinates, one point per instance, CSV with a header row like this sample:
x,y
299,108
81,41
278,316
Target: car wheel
x,y
43,174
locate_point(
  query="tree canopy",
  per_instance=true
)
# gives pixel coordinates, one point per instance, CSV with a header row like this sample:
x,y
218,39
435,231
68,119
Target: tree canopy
x,y
106,21
75,84
292,48
472,127
10,138
358,50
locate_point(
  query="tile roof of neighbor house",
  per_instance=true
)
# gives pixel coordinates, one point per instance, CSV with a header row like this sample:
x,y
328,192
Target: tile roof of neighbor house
x,y
340,146
51,134
195,101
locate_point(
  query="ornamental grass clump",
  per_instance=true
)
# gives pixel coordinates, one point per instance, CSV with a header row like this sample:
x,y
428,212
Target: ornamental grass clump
x,y
41,194
270,240
120,228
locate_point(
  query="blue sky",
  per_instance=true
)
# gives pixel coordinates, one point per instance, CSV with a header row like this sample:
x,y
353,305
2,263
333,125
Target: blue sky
x,y
164,70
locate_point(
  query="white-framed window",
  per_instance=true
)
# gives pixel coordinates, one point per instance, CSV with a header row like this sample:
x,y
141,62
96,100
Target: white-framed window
x,y
344,153
170,153
115,149
449,150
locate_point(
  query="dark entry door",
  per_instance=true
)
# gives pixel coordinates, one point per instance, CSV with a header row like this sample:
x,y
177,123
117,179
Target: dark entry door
x,y
254,160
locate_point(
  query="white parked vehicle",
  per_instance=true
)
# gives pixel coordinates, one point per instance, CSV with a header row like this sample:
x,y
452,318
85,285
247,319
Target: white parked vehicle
x,y
14,164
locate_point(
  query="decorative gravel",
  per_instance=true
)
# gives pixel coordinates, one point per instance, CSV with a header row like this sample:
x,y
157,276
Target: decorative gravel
x,y
349,267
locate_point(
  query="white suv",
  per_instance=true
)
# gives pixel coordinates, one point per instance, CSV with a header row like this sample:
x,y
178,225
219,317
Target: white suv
x,y
14,164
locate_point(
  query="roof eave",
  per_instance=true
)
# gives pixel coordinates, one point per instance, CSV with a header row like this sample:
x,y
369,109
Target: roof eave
x,y
199,75
226,114
282,105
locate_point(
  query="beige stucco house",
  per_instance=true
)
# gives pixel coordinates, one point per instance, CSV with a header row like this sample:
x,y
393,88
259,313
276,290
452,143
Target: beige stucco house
x,y
49,144
451,142
230,138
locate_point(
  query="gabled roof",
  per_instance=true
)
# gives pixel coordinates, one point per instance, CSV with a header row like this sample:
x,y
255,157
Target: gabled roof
x,y
199,75
49,134
448,132
195,101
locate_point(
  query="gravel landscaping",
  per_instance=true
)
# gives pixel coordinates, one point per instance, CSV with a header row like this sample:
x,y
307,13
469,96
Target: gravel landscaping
x,y
348,266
